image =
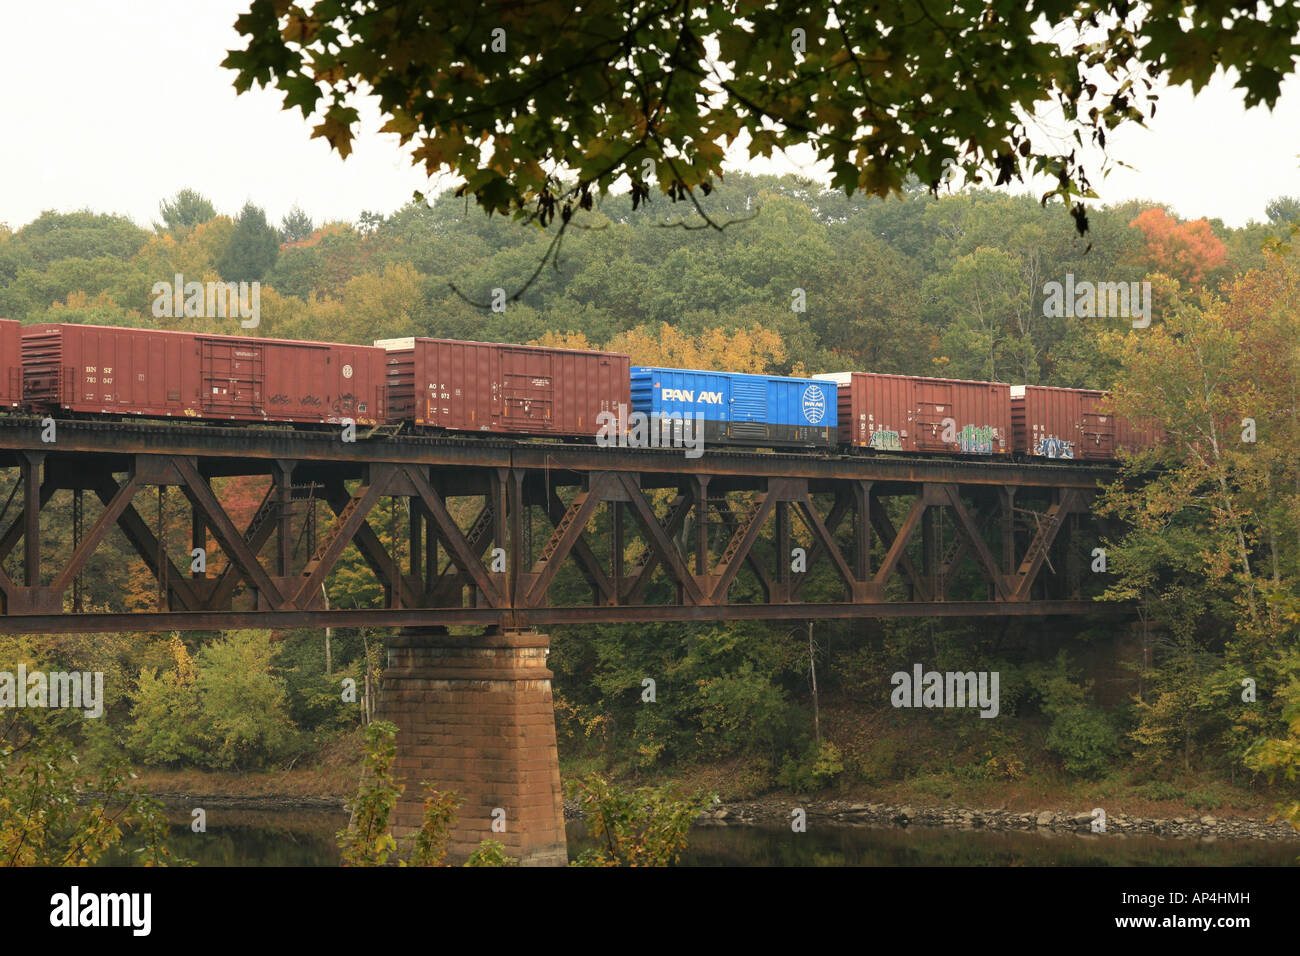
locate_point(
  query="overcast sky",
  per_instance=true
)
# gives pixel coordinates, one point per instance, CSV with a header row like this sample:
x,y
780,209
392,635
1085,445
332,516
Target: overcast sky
x,y
114,106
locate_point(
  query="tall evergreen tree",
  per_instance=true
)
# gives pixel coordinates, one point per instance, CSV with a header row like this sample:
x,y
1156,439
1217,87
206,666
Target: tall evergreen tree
x,y
185,210
253,249
296,226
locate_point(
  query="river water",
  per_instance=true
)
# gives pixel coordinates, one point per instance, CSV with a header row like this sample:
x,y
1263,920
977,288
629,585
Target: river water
x,y
306,838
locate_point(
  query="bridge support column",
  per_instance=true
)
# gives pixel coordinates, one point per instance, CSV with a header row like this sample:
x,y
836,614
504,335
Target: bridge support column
x,y
475,715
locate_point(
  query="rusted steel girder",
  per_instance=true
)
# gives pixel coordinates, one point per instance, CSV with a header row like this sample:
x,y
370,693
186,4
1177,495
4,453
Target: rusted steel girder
x,y
532,533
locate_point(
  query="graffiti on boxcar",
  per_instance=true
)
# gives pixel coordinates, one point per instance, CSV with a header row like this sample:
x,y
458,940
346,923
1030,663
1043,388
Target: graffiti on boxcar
x,y
279,398
1054,448
976,439
309,400
885,439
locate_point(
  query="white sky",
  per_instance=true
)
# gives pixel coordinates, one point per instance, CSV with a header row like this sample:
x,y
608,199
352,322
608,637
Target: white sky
x,y
115,106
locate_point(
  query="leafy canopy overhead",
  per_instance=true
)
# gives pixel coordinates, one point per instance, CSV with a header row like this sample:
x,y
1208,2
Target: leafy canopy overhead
x,y
539,104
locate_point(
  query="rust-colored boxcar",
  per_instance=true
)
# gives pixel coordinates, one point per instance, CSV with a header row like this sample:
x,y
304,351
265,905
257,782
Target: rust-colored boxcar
x,y
1071,423
909,413
96,369
514,389
11,363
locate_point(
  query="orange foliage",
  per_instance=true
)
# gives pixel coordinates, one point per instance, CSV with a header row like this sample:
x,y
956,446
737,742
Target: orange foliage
x,y
1188,251
329,229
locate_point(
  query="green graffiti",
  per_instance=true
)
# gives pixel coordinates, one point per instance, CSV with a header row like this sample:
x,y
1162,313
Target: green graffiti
x,y
885,440
977,439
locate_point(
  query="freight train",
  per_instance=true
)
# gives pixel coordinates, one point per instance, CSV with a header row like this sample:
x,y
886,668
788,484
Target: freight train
x,y
441,386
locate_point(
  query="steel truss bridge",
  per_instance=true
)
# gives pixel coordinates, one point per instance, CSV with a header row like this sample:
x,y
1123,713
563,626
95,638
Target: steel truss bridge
x,y
525,534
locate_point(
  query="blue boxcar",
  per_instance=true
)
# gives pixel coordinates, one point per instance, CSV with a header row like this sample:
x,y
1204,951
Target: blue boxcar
x,y
739,409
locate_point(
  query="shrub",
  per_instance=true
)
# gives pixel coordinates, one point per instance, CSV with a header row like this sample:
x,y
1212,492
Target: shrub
x,y
1161,790
222,709
1085,739
54,812
642,827
818,769
491,853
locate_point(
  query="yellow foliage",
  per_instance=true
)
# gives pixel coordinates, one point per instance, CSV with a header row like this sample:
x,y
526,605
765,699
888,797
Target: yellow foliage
x,y
755,350
186,672
563,340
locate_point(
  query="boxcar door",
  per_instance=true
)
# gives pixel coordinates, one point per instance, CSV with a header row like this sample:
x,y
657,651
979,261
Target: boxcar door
x,y
528,390
1098,434
933,406
232,377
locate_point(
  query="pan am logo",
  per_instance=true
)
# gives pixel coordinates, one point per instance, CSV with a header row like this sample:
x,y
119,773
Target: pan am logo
x,y
687,395
814,405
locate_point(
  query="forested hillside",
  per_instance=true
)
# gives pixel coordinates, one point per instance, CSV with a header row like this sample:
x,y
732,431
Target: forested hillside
x,y
800,280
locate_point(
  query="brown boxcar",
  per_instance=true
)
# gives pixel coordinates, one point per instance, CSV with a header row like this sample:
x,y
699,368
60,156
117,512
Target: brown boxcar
x,y
94,369
487,387
908,413
1072,423
11,363
1062,423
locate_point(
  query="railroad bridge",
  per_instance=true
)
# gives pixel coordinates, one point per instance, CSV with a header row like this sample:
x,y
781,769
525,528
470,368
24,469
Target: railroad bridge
x,y
479,545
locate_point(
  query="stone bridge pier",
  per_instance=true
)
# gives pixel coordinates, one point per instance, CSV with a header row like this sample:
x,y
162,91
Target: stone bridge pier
x,y
475,716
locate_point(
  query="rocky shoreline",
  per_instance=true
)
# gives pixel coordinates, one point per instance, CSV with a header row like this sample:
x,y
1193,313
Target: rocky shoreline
x,y
845,813
771,813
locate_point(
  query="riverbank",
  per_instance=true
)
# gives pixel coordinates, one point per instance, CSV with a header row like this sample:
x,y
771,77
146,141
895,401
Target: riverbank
x,y
1205,826
330,789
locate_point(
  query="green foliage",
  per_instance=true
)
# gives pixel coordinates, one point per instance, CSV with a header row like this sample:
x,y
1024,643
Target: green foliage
x,y
1211,797
490,853
186,210
886,758
742,705
607,92
1086,741
166,715
430,842
1055,686
253,247
54,812
816,769
315,698
225,709
1162,790
243,701
1279,757
366,841
642,827
296,226
719,689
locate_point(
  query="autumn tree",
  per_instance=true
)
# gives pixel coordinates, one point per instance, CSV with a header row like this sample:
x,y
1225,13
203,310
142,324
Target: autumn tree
x,y
1212,551
563,340
754,350
1188,251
